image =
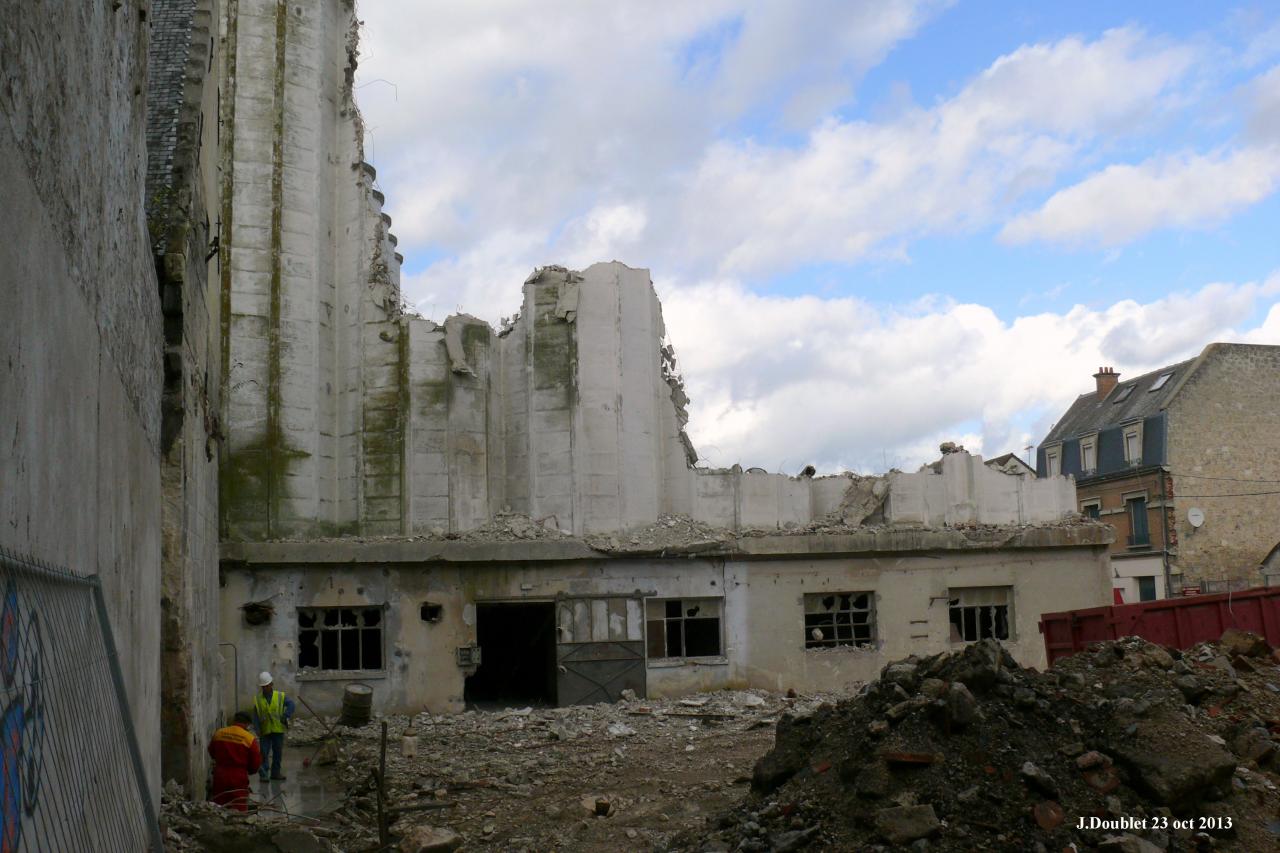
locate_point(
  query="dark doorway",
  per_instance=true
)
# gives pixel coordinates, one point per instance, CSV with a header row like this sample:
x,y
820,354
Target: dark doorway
x,y
517,656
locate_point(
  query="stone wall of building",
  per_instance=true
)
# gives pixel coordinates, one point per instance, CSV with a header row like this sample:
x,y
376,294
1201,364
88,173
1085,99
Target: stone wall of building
x,y
1224,445
182,210
80,322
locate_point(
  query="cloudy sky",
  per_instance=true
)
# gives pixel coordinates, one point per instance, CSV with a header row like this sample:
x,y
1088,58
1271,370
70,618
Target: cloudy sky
x,y
874,226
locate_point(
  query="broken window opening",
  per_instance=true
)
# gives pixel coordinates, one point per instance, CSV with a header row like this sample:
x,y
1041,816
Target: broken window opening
x,y
979,613
839,619
683,628
431,612
340,639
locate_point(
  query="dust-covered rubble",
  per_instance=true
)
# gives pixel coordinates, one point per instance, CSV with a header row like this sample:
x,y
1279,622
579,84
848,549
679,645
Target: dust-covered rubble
x,y
1126,746
623,776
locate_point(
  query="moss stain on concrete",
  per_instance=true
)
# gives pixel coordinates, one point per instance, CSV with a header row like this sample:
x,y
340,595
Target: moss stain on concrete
x,y
275,449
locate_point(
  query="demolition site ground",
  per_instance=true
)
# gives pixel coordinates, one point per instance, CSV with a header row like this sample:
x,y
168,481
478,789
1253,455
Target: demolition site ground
x,y
1127,746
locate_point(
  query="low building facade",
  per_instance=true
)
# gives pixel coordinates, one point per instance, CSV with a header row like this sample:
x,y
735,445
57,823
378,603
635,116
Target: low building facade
x,y
445,625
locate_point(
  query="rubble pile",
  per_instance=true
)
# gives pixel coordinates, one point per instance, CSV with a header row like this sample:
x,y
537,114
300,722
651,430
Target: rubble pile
x,y
671,532
188,825
1152,748
623,776
508,527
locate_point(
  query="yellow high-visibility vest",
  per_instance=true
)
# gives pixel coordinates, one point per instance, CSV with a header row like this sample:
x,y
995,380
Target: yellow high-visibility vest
x,y
270,712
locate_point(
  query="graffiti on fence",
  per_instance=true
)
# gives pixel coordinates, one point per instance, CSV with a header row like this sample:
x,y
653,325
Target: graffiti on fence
x,y
22,724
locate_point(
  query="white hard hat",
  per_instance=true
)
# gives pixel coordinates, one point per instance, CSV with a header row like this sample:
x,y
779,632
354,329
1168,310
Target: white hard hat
x,y
264,678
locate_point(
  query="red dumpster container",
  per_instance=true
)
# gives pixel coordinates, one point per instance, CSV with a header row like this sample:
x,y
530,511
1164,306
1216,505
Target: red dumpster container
x,y
1176,622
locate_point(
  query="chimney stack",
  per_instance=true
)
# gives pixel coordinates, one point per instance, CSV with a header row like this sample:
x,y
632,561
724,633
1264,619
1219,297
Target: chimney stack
x,y
1107,380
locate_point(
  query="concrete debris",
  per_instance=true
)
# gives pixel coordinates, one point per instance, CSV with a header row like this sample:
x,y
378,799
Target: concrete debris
x,y
670,532
198,826
1237,643
625,776
905,824
430,839
1108,735
453,342
863,501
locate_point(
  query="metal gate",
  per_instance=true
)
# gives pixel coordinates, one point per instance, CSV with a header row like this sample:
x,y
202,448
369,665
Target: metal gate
x,y
599,648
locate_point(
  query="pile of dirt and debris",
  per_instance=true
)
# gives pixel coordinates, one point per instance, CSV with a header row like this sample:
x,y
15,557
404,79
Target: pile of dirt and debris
x,y
509,526
1127,746
188,825
624,776
670,532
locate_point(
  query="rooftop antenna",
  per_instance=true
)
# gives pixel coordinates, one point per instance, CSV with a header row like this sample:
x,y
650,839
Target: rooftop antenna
x,y
1029,448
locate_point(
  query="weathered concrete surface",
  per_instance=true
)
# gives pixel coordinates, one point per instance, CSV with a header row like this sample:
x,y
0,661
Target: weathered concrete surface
x,y
183,188
760,581
883,540
80,323
569,416
969,492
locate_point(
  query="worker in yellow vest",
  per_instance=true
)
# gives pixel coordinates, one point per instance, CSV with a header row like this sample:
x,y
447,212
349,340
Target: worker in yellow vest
x,y
272,711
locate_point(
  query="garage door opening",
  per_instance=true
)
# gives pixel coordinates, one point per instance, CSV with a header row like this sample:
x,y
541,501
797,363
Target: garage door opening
x,y
517,656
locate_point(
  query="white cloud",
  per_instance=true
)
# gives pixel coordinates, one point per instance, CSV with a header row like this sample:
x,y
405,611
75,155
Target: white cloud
x,y
1122,202
529,132
857,186
839,383
536,117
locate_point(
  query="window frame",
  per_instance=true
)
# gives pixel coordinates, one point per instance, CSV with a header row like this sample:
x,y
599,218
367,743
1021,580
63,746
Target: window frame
x,y
1161,381
837,642
1088,443
1151,579
955,596
650,604
1133,431
1053,460
1134,541
360,629
1091,503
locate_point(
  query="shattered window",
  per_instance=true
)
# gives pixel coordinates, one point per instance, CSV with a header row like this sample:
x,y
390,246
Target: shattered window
x,y
340,638
980,612
839,619
683,627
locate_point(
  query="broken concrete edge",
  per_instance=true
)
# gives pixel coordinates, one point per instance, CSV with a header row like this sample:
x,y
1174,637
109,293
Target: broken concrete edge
x,y
869,543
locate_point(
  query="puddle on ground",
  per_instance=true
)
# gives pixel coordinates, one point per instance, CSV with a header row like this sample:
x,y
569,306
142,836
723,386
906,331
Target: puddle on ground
x,y
305,792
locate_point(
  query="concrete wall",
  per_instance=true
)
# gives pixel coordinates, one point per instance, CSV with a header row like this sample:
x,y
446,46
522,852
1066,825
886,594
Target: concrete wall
x,y
762,624
968,492
315,382
1223,440
567,415
182,189
80,322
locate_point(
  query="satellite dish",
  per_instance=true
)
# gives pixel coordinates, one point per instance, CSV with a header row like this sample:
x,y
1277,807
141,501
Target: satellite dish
x,y
1195,515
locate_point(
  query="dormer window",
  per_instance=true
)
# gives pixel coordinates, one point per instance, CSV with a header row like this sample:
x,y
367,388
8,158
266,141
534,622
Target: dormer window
x,y
1133,444
1089,454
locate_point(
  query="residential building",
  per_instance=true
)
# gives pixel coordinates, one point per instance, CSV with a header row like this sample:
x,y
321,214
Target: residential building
x,y
1184,462
1011,463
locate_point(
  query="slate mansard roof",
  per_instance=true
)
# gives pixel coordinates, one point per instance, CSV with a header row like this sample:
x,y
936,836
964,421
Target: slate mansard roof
x,y
1130,400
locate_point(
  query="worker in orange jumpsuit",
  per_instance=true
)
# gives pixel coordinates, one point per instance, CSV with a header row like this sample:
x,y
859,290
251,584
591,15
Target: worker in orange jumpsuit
x,y
236,754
